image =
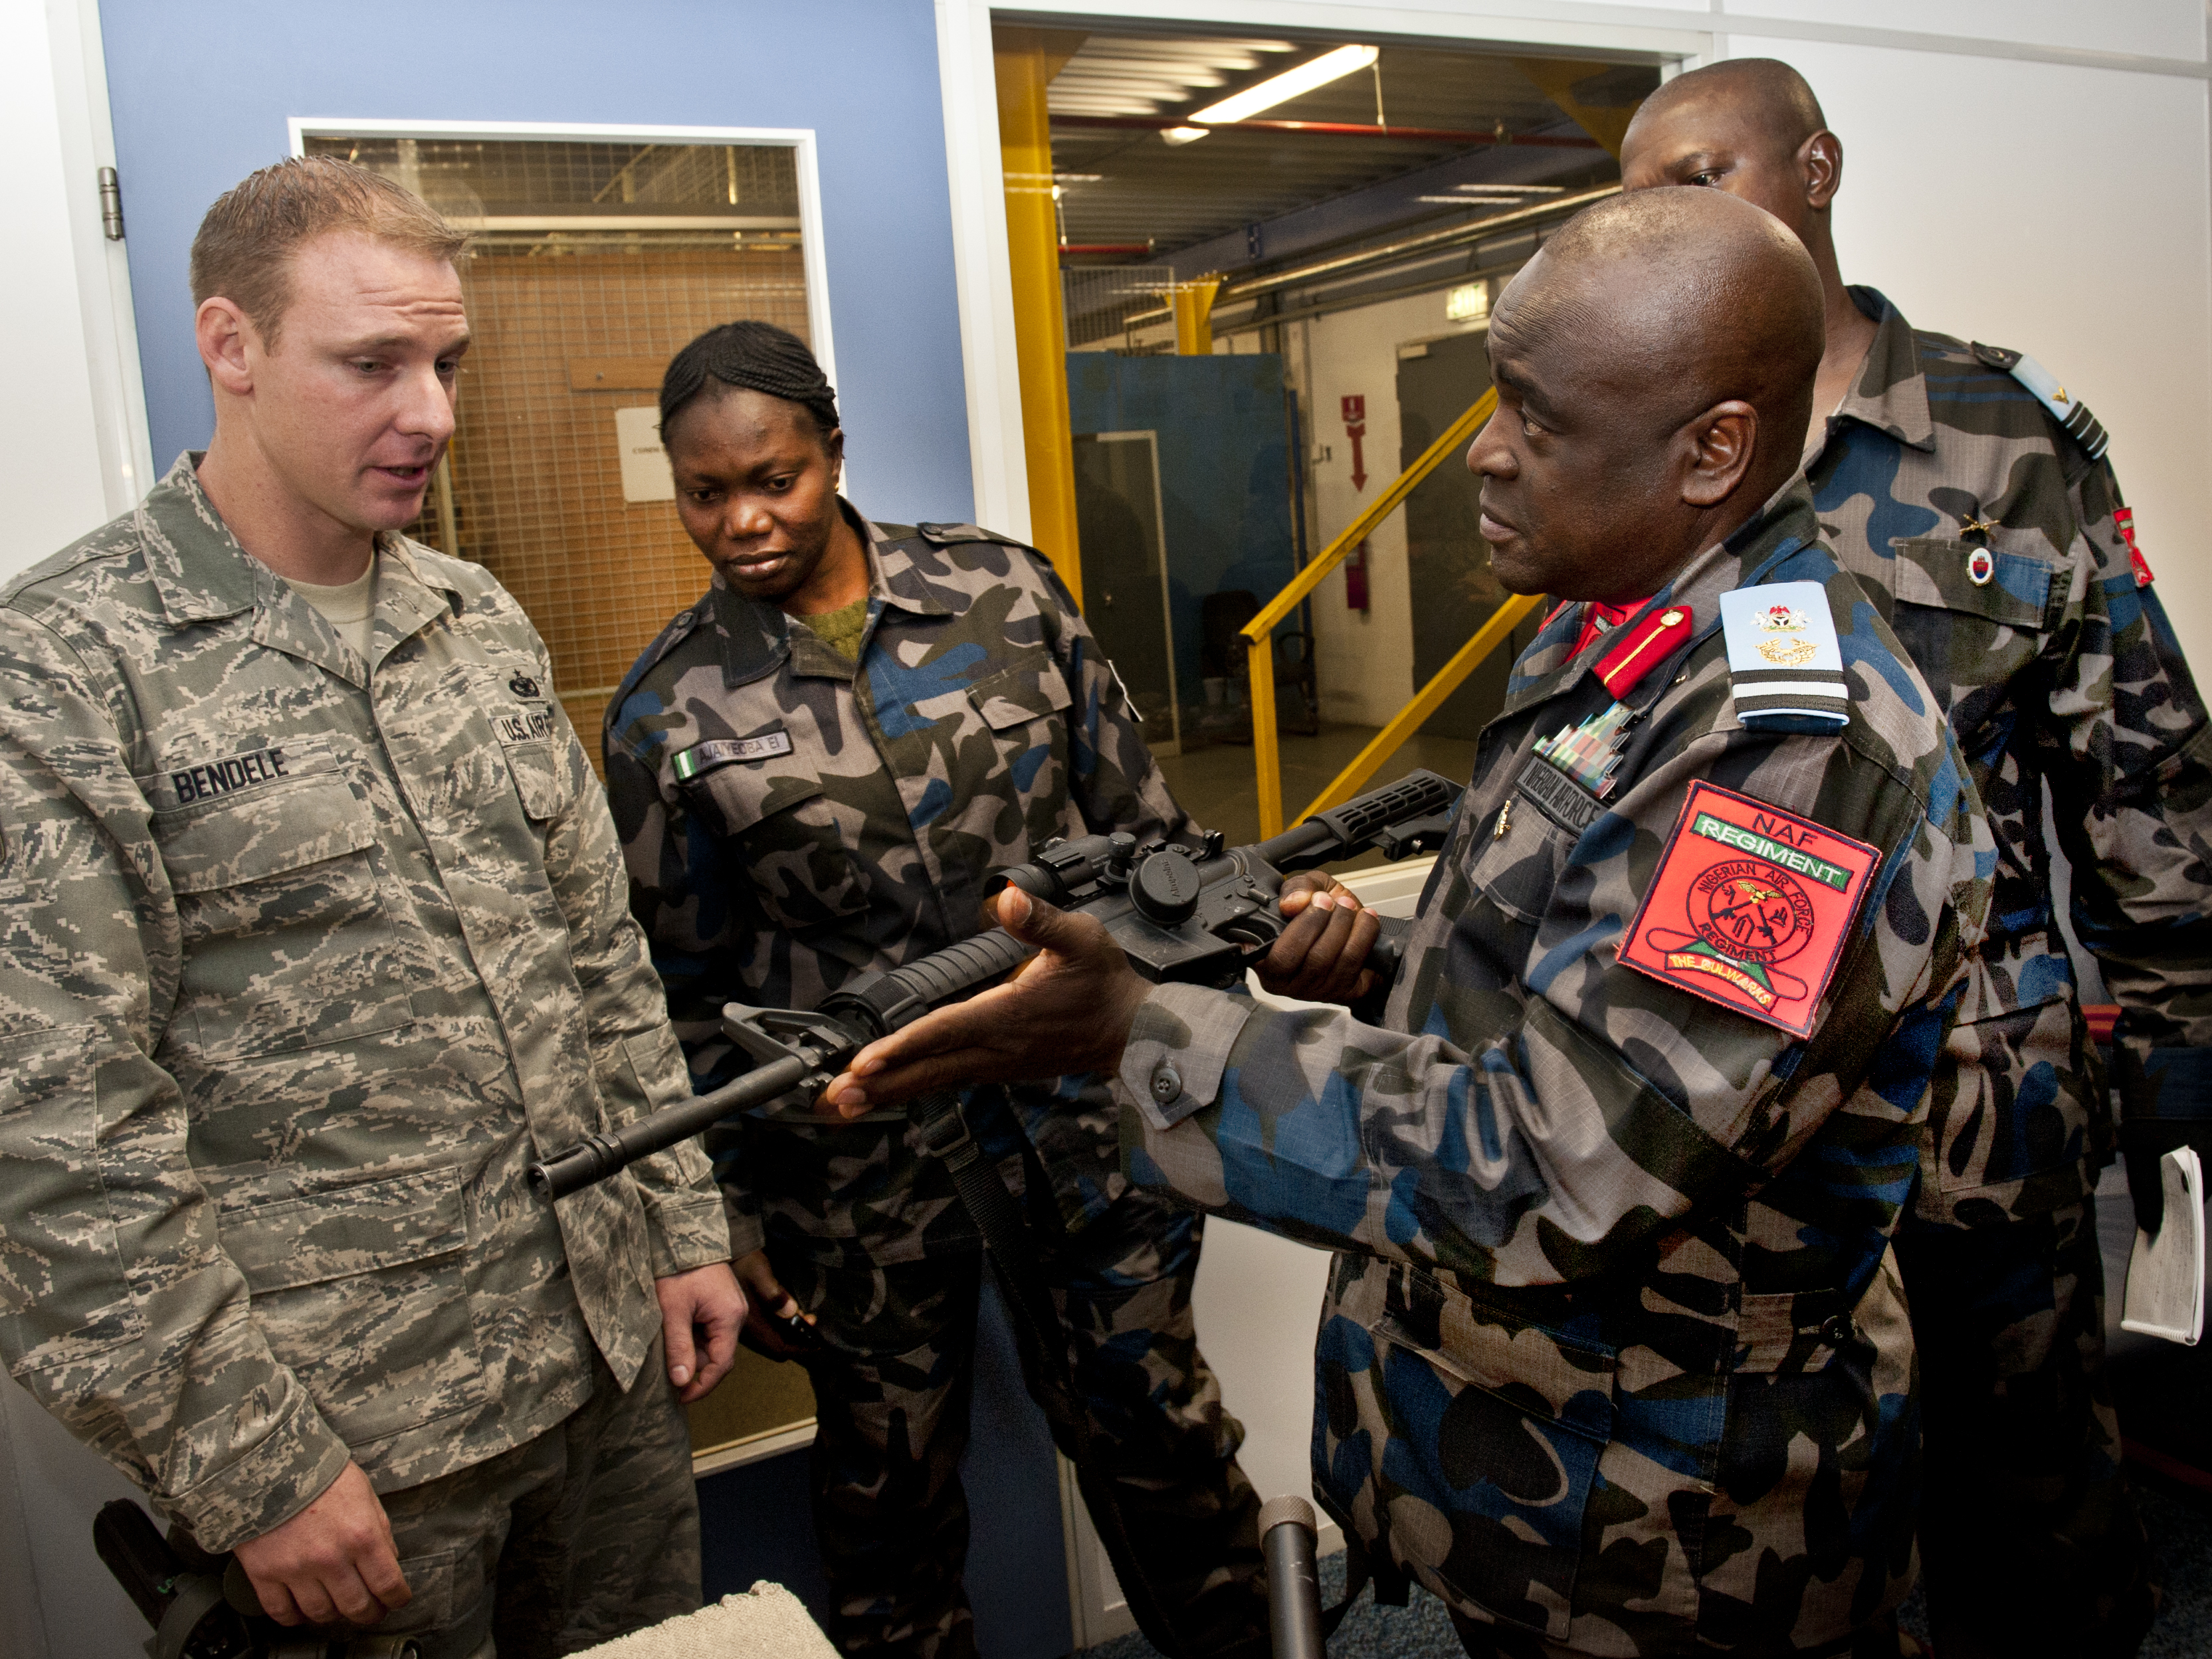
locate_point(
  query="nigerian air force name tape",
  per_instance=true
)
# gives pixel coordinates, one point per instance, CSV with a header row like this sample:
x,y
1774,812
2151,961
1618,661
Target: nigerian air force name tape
x,y
1784,664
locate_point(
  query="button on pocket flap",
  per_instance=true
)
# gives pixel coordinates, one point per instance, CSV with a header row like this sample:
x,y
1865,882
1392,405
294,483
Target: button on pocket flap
x,y
1790,1331
263,832
2013,588
290,1241
1030,689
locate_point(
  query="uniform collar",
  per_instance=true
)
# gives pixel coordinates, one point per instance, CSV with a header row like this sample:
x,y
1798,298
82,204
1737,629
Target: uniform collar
x,y
758,638
1891,394
202,573
1759,551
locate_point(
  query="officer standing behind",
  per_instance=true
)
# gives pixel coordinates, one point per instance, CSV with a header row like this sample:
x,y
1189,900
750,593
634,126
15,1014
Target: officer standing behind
x,y
1613,1358
1969,492
813,770
315,934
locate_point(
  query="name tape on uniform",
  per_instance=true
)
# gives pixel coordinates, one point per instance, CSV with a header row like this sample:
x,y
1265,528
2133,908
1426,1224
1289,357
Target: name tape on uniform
x,y
1750,908
229,775
529,718
703,757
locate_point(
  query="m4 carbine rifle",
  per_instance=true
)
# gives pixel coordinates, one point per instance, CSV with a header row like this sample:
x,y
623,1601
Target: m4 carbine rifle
x,y
1201,916
1198,915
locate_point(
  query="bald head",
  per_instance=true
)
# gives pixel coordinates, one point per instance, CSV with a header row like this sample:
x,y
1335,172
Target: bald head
x,y
1674,300
1763,92
1752,127
1655,365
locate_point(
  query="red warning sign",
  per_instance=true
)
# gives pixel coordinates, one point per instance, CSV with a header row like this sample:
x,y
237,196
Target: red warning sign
x,y
1750,907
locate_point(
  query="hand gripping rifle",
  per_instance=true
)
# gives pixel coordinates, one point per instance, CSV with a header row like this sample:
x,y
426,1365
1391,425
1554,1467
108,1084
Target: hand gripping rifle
x,y
1200,915
203,1607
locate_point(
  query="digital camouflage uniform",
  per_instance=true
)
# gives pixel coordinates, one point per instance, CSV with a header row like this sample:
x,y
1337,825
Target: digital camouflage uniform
x,y
841,817
1995,541
1614,1357
304,962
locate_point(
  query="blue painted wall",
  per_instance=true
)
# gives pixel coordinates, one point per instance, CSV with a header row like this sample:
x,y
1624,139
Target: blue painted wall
x,y
1225,480
202,93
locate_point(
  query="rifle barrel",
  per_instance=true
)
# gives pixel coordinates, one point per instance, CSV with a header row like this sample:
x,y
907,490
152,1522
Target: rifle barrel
x,y
598,1156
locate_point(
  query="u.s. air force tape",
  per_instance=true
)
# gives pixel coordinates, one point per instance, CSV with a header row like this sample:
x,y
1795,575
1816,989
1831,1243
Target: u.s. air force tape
x,y
703,757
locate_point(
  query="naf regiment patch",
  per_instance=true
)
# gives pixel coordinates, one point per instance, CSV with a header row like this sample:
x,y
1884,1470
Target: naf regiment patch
x,y
1750,908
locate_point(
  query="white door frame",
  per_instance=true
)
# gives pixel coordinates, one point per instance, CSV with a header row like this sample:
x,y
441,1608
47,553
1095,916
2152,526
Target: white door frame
x,y
87,135
812,248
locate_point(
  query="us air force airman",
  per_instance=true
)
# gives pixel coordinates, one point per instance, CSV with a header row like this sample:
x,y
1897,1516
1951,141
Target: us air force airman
x,y
1971,492
314,937
1614,1357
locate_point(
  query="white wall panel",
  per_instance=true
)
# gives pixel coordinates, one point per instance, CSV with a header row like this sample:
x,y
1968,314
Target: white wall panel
x,y
2067,213
2159,28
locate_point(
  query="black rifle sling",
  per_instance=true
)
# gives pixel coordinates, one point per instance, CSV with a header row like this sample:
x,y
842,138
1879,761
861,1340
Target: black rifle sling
x,y
943,1134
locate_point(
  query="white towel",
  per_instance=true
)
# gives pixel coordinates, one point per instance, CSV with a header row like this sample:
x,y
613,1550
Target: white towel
x,y
767,1622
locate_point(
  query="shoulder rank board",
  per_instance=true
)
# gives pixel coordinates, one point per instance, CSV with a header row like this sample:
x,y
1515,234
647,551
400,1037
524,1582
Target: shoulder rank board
x,y
1750,908
2070,412
1784,665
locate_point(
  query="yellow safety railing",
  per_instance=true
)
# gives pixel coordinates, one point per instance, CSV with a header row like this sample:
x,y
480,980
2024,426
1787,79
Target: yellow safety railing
x,y
1266,753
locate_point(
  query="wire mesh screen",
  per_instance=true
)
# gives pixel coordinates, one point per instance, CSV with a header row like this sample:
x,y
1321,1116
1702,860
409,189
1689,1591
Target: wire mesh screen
x,y
562,341
1100,303
567,327
471,178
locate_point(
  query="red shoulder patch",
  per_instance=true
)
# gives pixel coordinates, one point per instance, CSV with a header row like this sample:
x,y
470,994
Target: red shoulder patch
x,y
1750,908
2123,520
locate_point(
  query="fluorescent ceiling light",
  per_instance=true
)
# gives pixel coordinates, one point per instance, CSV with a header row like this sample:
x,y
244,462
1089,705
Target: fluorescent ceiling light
x,y
1183,135
1474,201
1279,88
1513,190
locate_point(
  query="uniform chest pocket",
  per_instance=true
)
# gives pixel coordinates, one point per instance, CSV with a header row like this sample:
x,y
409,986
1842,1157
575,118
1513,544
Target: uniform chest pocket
x,y
1518,859
533,737
794,843
287,943
2011,590
1031,689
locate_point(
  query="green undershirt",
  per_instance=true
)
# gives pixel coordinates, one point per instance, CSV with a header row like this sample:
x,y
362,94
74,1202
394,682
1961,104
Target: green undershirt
x,y
841,629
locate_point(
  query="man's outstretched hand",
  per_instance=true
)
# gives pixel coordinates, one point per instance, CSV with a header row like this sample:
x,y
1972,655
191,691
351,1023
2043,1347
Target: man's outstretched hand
x,y
1068,1009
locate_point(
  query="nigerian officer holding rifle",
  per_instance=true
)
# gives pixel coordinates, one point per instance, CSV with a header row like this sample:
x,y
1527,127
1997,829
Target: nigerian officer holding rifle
x,y
1614,1357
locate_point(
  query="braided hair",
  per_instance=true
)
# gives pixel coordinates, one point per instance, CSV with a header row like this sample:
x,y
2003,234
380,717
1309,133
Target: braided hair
x,y
757,356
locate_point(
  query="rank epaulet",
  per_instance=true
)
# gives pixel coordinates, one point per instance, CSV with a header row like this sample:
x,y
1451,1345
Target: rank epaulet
x,y
679,629
948,535
1784,666
2067,409
1641,647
